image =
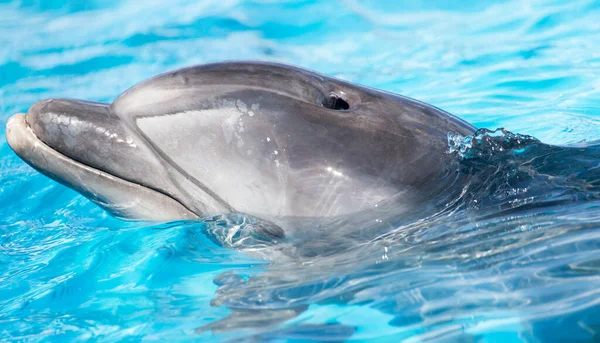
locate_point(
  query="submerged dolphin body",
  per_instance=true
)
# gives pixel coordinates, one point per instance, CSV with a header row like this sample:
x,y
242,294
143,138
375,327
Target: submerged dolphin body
x,y
270,140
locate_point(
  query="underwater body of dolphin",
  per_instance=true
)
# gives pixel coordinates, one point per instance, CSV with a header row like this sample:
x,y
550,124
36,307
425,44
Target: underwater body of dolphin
x,y
270,140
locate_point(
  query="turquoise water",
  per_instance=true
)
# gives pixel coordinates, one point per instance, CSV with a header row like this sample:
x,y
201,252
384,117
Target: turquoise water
x,y
70,272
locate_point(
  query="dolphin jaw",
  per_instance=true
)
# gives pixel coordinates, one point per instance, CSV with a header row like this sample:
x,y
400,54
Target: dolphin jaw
x,y
123,199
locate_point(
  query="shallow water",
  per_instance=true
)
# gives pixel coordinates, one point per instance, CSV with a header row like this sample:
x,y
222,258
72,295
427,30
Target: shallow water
x,y
514,256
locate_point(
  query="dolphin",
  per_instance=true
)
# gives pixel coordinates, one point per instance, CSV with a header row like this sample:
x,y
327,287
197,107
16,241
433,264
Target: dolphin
x,y
270,140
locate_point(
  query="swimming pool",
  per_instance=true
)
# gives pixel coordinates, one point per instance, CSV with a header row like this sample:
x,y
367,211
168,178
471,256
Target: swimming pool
x,y
70,272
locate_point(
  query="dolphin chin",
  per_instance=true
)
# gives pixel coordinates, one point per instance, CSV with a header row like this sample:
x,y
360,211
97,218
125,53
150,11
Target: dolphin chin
x,y
122,198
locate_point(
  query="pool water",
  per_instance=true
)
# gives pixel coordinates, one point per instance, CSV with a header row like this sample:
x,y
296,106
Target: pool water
x,y
515,258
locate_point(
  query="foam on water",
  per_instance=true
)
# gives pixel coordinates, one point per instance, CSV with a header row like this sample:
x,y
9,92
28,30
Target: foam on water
x,y
512,256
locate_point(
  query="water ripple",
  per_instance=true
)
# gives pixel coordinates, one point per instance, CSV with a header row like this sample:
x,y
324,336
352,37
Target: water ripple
x,y
512,257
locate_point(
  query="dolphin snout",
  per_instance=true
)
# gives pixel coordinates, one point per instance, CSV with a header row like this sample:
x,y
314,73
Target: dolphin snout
x,y
61,123
104,186
89,133
82,130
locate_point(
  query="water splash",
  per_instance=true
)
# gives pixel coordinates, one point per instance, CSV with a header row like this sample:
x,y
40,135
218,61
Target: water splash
x,y
484,143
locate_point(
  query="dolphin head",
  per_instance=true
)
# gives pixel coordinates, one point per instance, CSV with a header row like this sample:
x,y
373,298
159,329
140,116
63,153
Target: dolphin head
x,y
261,138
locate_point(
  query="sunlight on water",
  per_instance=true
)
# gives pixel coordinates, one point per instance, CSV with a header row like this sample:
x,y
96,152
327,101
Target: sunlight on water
x,y
514,256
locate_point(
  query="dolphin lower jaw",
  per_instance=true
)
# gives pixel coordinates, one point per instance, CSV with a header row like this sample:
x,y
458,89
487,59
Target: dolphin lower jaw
x,y
121,198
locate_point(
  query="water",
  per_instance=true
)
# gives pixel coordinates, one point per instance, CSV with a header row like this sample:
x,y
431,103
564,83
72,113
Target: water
x,y
514,257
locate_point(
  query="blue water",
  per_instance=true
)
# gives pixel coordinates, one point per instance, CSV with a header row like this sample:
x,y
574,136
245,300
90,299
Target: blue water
x,y
515,259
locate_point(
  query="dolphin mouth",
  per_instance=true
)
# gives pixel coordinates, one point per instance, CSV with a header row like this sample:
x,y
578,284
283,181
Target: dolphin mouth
x,y
121,198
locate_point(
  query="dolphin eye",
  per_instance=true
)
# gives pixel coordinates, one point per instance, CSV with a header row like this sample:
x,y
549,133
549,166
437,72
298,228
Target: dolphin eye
x,y
335,102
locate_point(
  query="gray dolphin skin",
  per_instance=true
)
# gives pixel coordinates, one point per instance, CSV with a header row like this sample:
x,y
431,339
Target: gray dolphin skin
x,y
269,140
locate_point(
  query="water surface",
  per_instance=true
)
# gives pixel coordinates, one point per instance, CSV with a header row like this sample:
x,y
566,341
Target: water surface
x,y
513,257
